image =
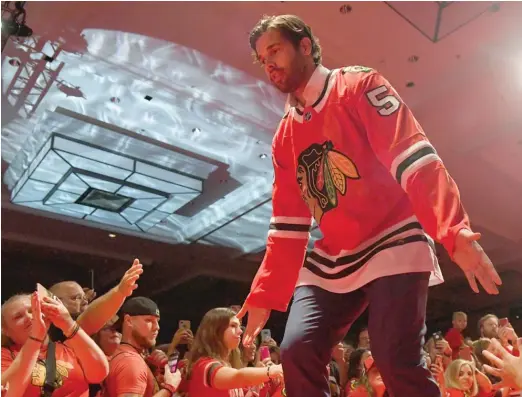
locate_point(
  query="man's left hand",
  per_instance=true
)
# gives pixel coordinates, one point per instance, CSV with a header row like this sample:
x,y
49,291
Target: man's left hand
x,y
474,262
128,282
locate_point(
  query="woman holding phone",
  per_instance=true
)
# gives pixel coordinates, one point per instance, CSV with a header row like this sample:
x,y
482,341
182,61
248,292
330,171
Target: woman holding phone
x,y
214,368
26,345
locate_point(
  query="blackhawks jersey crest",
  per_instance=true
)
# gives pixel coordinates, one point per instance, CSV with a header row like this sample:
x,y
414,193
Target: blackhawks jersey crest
x,y
322,173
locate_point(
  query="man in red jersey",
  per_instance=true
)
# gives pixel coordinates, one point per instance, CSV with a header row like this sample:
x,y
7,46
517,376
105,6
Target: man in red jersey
x,y
349,154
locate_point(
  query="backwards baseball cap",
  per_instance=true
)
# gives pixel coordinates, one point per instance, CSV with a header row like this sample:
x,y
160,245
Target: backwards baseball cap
x,y
137,306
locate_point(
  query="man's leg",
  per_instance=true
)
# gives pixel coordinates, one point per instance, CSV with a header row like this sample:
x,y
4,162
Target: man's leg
x,y
397,328
317,321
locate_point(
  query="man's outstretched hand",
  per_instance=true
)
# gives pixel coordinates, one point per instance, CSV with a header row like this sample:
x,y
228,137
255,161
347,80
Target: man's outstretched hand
x,y
474,262
257,318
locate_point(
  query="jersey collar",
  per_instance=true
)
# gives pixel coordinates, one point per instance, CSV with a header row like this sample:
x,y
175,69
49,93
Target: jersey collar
x,y
313,88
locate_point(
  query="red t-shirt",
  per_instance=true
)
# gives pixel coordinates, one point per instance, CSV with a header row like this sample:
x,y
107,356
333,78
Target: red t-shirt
x,y
202,380
129,374
359,391
456,340
459,393
69,374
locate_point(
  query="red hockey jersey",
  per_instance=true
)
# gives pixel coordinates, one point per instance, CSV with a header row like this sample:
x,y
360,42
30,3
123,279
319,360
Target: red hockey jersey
x,y
356,161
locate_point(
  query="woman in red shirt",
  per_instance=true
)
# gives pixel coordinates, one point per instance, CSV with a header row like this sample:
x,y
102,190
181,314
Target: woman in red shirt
x,y
212,371
25,343
370,383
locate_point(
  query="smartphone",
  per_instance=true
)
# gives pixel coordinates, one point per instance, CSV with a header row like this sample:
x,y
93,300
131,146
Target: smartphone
x,y
503,322
437,336
42,291
368,363
465,353
173,362
184,324
266,335
264,353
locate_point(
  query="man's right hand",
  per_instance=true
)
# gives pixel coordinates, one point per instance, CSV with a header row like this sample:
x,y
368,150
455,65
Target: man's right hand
x,y
172,378
257,318
182,337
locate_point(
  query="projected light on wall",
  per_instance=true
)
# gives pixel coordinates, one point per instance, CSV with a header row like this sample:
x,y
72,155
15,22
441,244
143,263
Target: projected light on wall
x,y
184,114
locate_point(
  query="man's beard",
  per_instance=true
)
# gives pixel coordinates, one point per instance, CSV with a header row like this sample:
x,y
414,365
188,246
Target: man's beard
x,y
141,341
490,335
294,76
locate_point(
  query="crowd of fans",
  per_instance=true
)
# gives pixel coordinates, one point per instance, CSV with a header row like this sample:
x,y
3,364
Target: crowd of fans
x,y
65,342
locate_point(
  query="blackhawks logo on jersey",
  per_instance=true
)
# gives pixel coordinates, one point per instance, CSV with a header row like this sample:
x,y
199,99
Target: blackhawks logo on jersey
x,y
322,172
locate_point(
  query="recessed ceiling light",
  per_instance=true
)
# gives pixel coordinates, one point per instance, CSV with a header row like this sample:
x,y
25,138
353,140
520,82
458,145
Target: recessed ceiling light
x,y
112,235
263,156
115,99
14,62
345,9
413,58
494,7
196,130
148,98
410,84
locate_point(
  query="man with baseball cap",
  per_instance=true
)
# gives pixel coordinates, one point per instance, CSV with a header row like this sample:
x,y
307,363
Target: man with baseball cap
x,y
129,374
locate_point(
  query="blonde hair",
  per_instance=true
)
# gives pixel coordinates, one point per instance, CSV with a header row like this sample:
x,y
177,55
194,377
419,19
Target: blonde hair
x,y
208,341
7,341
451,375
459,314
478,347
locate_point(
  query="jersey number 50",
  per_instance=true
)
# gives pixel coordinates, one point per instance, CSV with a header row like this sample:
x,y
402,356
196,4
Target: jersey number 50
x,y
386,104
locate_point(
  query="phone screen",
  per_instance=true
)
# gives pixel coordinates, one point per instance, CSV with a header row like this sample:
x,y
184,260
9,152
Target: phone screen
x,y
264,353
503,322
173,362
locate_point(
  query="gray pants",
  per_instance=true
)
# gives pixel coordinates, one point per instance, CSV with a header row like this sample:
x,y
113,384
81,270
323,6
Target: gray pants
x,y
319,319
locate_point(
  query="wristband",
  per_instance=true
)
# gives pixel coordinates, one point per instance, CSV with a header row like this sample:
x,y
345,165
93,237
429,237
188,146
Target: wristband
x,y
74,331
171,389
36,339
268,372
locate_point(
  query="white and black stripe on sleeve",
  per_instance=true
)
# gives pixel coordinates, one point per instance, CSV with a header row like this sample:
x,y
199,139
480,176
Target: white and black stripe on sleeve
x,y
411,160
290,227
210,370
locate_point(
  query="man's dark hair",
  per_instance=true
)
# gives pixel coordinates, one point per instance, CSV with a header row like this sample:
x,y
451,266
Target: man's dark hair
x,y
291,27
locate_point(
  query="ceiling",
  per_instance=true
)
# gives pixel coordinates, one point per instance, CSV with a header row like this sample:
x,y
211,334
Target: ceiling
x,y
171,87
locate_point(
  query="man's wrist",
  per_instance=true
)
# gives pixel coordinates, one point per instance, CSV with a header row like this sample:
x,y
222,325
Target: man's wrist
x,y
118,291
